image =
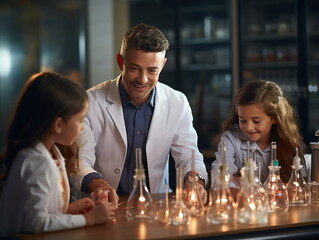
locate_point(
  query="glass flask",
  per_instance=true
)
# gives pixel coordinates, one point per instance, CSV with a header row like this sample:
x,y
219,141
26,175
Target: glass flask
x,y
139,206
275,188
257,167
221,208
228,178
298,189
179,214
252,199
192,200
255,164
100,195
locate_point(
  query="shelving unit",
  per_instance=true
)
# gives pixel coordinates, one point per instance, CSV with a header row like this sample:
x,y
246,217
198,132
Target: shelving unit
x,y
278,41
206,66
313,64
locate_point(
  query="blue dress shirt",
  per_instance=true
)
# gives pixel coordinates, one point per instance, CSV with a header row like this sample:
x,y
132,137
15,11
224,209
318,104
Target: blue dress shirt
x,y
137,122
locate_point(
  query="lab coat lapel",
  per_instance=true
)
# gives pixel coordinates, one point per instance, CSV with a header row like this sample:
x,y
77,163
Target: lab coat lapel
x,y
114,108
160,112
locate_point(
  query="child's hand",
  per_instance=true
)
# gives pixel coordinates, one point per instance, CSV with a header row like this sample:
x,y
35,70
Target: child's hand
x,y
81,206
101,213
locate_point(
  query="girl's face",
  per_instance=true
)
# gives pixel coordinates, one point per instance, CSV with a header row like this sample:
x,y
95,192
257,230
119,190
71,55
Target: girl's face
x,y
71,129
255,124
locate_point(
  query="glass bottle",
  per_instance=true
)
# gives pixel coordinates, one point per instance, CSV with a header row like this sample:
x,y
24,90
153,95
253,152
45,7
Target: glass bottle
x,y
298,190
252,199
139,206
179,214
275,188
221,207
193,201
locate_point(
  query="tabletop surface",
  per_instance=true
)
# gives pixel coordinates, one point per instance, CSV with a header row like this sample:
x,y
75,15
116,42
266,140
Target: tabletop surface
x,y
197,228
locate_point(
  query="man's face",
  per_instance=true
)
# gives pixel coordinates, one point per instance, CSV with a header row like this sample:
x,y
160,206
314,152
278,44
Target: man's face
x,y
140,73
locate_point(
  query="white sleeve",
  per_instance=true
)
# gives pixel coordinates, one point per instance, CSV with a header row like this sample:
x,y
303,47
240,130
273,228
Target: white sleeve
x,y
43,200
185,141
87,144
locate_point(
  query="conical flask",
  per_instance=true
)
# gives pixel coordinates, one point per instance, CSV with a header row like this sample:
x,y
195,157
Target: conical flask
x,y
252,199
228,178
179,214
193,201
275,188
221,207
139,206
257,167
298,189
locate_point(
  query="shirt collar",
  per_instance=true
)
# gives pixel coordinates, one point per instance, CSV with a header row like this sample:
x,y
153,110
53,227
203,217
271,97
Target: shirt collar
x,y
126,100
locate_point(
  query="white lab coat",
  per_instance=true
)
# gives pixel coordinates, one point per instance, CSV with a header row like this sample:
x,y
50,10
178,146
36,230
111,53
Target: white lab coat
x,y
103,141
31,200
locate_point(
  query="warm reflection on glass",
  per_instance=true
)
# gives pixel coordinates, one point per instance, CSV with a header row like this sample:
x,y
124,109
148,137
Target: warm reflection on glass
x,y
252,199
164,208
193,199
140,203
100,195
142,230
179,214
222,208
314,188
298,190
275,188
193,226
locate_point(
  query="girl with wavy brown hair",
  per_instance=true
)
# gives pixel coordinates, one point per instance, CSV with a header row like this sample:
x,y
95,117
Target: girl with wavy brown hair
x,y
260,114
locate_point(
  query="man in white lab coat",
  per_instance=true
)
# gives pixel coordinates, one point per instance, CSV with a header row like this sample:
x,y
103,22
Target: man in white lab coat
x,y
136,111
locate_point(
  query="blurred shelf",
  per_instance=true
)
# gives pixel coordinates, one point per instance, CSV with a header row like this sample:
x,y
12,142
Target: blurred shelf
x,y
207,67
264,65
270,37
313,63
314,34
203,7
205,41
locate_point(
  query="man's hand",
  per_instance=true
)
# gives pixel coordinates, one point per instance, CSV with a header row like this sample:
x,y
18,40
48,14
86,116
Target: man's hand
x,y
97,183
200,185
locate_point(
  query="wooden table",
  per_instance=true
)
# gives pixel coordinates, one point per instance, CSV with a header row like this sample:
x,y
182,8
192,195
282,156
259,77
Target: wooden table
x,y
296,223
